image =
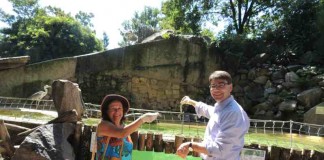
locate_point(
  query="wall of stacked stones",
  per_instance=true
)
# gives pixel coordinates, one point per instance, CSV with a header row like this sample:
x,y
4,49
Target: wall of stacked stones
x,y
153,75
156,75
281,92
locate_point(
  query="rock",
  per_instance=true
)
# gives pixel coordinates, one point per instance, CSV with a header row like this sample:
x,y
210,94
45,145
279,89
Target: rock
x,y
310,97
261,112
157,36
290,84
66,97
260,58
243,71
237,89
278,75
307,57
263,106
295,90
321,83
288,106
291,77
315,115
48,142
252,74
262,72
279,88
269,91
245,103
294,68
254,92
278,81
268,84
318,78
274,99
278,115
261,80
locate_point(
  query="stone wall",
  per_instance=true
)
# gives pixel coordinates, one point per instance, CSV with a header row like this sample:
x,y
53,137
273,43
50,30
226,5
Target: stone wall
x,y
26,80
152,75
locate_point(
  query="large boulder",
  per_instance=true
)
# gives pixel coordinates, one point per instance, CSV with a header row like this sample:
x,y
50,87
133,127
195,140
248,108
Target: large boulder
x,y
48,142
310,97
66,97
315,115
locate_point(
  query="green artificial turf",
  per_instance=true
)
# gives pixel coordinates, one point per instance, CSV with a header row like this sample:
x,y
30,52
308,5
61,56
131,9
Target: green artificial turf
x,y
145,155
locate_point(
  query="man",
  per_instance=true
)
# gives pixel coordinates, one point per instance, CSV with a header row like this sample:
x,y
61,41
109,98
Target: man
x,y
227,125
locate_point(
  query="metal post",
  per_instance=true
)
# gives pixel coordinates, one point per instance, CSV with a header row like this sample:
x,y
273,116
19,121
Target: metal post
x,y
291,123
182,123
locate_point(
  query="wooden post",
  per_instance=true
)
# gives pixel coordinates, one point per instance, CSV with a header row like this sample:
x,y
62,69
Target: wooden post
x,y
295,155
306,154
76,139
158,143
196,154
284,153
188,139
178,141
149,141
93,154
274,153
141,143
85,139
315,155
134,137
169,145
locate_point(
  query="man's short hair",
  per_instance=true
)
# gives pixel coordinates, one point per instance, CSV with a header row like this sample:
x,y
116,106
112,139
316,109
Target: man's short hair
x,y
221,75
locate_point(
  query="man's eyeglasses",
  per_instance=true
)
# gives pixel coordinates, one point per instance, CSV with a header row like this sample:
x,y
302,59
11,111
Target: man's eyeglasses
x,y
218,86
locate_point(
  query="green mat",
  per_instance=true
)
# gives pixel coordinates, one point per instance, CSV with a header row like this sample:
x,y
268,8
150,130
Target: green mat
x,y
144,155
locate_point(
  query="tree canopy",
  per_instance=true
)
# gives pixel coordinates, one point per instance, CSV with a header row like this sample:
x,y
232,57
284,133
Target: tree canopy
x,y
142,25
46,33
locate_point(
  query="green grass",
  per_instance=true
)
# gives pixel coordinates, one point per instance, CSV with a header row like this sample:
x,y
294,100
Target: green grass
x,y
298,142
25,114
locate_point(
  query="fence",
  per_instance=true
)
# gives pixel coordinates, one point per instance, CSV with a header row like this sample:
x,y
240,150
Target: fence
x,y
190,123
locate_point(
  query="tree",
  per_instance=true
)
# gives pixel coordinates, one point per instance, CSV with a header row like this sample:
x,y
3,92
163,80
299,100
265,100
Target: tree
x,y
296,31
25,9
184,16
46,33
320,26
105,40
85,18
142,25
243,15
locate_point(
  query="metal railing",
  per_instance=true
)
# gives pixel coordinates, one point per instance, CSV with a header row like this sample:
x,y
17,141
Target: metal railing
x,y
185,119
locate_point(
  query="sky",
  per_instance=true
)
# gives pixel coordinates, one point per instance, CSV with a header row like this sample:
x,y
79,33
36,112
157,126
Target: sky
x,y
108,14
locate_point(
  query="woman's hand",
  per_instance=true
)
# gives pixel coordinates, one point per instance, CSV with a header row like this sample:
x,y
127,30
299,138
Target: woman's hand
x,y
149,117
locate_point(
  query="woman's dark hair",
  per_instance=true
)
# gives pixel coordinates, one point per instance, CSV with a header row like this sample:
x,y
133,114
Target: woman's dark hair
x,y
107,101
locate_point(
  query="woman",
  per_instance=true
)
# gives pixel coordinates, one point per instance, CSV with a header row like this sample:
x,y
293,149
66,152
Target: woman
x,y
113,140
